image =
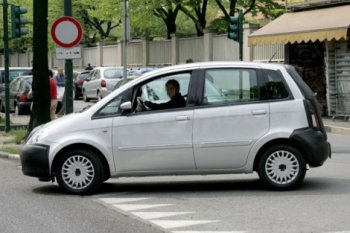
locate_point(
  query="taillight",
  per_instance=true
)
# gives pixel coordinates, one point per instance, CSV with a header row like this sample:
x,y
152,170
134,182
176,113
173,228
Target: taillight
x,y
103,83
313,117
315,121
22,98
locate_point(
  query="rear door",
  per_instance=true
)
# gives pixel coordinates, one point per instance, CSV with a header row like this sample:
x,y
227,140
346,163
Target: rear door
x,y
230,118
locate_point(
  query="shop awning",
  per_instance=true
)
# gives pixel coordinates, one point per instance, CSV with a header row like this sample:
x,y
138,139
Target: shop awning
x,y
312,25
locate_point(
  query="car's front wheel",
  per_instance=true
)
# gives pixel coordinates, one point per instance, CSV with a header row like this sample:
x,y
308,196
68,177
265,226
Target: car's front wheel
x,y
79,172
282,167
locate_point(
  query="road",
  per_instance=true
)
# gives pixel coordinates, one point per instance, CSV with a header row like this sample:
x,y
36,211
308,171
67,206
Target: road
x,y
221,204
23,120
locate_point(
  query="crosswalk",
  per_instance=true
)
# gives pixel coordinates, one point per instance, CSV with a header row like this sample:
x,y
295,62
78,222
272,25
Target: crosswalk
x,y
151,210
168,215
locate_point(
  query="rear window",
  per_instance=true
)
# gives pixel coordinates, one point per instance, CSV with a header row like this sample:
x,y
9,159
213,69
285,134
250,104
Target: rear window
x,y
113,74
15,73
276,88
305,89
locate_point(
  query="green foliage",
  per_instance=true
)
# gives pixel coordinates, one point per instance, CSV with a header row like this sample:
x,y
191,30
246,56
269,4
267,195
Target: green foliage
x,y
10,150
101,20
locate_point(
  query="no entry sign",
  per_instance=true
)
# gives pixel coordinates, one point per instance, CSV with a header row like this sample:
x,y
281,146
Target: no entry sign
x,y
66,32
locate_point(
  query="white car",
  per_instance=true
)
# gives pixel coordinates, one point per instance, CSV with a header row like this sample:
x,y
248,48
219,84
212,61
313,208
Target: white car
x,y
238,118
100,82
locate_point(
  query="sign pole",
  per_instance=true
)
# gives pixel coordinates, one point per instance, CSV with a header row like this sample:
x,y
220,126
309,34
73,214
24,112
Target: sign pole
x,y
68,93
125,40
6,51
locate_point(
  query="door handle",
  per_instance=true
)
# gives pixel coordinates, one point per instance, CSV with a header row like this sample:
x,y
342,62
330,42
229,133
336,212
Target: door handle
x,y
182,118
259,112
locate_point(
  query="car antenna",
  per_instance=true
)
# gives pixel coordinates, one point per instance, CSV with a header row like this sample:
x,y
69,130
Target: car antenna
x,y
274,55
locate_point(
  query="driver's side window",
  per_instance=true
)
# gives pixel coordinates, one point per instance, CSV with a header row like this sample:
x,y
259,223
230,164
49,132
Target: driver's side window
x,y
155,94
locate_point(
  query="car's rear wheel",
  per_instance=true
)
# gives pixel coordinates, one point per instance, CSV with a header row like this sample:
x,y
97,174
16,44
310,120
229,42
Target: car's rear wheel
x,y
282,167
76,93
2,107
80,172
85,98
99,96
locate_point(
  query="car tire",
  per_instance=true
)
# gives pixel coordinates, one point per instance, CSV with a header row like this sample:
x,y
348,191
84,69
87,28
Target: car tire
x,y
282,167
76,93
99,96
85,98
2,108
80,172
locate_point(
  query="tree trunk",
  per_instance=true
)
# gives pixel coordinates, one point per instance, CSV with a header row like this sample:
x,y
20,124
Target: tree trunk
x,y
170,25
41,86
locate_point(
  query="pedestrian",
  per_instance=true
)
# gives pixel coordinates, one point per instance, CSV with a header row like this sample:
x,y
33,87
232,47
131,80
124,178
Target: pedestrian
x,y
59,78
189,60
53,96
89,67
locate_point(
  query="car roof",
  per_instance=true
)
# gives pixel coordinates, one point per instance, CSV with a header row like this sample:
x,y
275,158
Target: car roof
x,y
17,68
108,67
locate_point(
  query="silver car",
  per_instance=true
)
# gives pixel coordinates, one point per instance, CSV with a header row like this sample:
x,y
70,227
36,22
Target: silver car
x,y
232,118
101,82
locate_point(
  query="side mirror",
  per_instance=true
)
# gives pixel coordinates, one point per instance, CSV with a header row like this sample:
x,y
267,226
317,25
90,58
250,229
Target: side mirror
x,y
126,106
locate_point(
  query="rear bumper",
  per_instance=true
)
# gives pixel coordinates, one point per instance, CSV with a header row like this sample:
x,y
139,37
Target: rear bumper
x,y
35,161
314,143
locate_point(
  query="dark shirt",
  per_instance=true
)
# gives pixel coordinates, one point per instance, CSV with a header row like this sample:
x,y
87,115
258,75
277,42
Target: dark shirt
x,y
177,101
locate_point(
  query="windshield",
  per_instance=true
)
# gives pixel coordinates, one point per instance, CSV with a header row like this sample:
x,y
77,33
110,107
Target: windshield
x,y
113,74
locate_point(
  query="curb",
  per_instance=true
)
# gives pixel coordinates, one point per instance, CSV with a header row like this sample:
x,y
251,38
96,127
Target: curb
x,y
337,130
9,156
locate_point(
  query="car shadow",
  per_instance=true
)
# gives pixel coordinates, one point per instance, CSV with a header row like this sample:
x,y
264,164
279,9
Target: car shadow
x,y
238,187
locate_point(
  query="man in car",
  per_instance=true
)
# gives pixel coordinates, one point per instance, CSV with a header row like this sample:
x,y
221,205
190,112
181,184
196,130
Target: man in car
x,y
176,99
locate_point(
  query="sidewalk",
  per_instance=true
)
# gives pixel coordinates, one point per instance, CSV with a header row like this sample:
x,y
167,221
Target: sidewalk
x,y
338,126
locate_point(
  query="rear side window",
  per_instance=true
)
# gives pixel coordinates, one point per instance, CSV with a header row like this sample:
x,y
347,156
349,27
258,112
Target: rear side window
x,y
275,86
229,86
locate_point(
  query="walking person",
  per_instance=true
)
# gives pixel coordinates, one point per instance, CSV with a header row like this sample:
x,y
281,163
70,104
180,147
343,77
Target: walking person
x,y
53,96
59,78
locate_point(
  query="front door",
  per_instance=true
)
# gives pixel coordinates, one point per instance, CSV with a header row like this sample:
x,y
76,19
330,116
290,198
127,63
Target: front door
x,y
230,119
157,139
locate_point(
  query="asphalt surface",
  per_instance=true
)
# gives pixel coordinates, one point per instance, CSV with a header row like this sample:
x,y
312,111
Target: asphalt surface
x,y
27,206
189,204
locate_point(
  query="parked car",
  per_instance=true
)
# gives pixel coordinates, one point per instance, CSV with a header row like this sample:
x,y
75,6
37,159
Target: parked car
x,y
20,101
123,81
238,118
79,78
138,71
100,82
13,73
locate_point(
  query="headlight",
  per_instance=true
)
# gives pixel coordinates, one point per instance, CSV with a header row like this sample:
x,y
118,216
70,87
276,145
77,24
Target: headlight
x,y
38,136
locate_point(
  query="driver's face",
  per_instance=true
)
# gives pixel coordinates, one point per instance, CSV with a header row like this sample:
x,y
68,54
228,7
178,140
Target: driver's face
x,y
171,90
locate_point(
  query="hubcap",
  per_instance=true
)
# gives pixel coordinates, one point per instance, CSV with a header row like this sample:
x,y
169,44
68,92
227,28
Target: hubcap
x,y
282,167
78,172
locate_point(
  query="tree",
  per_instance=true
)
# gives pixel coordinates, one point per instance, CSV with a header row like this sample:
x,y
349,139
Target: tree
x,y
196,10
267,7
101,17
40,86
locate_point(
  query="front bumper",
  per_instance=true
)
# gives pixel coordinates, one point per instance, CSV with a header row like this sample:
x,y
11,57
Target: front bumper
x,y
35,161
314,143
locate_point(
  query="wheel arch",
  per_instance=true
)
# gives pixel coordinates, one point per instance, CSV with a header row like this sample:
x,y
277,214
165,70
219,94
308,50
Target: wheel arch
x,y
278,141
75,146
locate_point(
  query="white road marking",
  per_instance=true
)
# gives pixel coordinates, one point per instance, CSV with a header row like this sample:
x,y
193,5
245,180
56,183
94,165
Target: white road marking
x,y
111,200
168,224
132,207
209,231
155,215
